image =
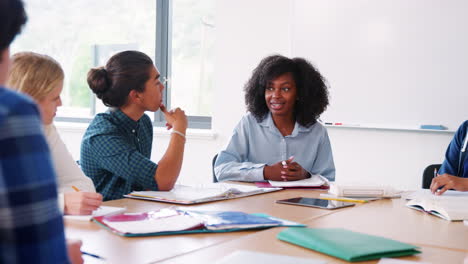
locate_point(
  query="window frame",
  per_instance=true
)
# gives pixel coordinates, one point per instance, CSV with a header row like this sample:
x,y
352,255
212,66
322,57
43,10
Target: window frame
x,y
163,61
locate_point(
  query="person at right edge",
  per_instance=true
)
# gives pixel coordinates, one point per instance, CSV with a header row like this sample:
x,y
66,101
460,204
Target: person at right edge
x,y
280,138
453,173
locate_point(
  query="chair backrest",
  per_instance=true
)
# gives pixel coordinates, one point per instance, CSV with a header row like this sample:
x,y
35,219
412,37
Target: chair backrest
x,y
212,168
428,174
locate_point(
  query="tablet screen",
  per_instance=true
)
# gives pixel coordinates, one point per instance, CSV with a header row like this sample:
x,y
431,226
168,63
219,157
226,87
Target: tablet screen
x,y
313,202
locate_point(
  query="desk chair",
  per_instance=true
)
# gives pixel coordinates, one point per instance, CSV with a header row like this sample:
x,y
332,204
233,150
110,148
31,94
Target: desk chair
x,y
212,168
428,174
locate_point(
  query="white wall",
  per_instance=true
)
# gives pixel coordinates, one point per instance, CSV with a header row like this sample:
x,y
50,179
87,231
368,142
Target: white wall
x,y
390,63
247,31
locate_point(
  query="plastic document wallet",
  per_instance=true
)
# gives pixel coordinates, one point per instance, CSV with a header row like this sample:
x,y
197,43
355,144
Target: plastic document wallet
x,y
171,221
347,245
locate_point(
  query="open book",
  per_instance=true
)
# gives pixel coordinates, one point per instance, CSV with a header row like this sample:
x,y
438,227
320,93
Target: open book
x,y
450,206
101,211
203,193
169,221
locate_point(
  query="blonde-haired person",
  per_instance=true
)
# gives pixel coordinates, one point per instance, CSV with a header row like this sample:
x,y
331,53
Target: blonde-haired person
x,y
41,77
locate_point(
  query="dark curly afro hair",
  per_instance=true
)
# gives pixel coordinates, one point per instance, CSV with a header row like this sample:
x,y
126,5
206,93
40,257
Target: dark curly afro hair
x,y
312,89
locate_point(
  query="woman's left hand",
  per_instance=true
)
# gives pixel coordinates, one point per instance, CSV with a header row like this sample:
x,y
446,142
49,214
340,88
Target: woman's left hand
x,y
292,171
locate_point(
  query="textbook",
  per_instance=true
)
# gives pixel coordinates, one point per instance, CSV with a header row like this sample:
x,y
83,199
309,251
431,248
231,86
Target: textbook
x,y
345,244
101,211
170,221
450,206
202,193
351,190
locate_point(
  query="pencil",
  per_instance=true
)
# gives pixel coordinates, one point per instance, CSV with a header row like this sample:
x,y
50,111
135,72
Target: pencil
x,y
344,200
75,188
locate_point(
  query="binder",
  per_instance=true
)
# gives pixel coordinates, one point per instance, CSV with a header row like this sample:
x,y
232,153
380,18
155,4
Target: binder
x,y
202,193
170,221
345,244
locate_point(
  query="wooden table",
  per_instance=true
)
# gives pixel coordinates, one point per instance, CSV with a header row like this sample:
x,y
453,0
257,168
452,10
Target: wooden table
x,y
266,242
118,249
440,241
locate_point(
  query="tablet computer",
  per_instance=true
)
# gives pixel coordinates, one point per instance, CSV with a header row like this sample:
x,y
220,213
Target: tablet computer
x,y
314,202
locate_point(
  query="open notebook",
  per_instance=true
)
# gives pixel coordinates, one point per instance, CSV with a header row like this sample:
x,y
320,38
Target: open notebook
x,y
314,182
451,206
202,193
170,221
101,211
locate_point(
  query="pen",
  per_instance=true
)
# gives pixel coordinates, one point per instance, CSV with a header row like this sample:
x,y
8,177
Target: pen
x,y
92,255
435,172
344,200
75,188
284,162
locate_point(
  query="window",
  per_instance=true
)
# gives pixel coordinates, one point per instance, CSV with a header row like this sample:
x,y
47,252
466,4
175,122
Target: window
x,y
178,35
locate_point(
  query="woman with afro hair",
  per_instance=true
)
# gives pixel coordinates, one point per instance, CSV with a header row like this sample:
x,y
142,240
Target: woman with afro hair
x,y
279,138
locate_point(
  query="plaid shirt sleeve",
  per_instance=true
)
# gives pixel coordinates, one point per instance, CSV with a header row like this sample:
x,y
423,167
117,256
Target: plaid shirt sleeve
x,y
31,225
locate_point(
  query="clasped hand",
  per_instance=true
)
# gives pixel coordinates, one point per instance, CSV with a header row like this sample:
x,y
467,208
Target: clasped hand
x,y
285,171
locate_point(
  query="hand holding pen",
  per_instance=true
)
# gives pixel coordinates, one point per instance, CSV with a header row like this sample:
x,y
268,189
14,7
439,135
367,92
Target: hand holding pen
x,y
443,182
81,203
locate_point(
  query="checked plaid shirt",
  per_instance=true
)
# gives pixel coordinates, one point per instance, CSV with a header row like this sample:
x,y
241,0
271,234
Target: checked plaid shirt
x,y
116,152
31,225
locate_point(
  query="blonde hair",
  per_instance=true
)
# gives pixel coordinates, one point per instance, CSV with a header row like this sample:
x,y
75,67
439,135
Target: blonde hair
x,y
34,74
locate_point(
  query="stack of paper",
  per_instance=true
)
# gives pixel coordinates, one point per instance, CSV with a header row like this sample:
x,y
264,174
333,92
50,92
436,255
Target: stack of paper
x,y
350,190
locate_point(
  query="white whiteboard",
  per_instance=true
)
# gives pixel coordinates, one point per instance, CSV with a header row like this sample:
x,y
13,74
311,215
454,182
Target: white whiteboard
x,y
388,62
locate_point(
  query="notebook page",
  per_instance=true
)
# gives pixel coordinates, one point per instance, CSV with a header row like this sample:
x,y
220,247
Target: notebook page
x,y
102,210
153,225
203,192
314,181
254,257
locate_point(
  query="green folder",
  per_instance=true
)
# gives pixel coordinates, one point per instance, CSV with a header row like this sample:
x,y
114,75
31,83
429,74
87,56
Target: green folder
x,y
344,244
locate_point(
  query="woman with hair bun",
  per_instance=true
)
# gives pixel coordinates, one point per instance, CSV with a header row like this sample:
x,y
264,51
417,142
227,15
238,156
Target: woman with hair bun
x,y
116,148
280,138
41,77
